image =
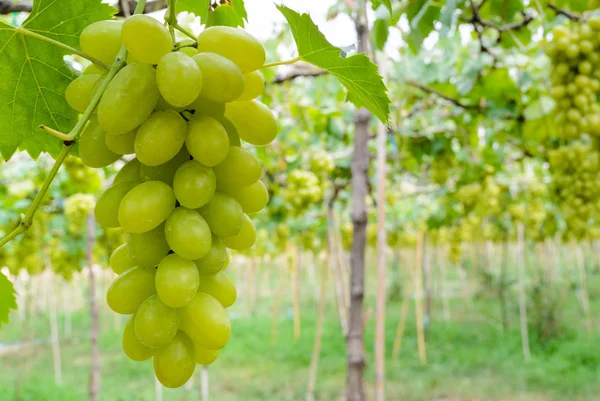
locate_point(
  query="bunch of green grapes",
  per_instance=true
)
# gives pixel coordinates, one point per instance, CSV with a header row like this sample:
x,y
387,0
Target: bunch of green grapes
x,y
77,209
80,178
441,167
302,191
576,186
321,163
575,55
186,196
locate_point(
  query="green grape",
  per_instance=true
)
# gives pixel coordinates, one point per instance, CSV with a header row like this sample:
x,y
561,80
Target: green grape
x,y
594,22
129,99
253,198
155,323
222,79
223,214
120,261
254,85
102,40
174,364
133,348
235,44
129,172
149,248
93,69
215,260
239,169
127,292
164,105
194,184
165,172
187,233
187,49
176,281
92,146
207,140
205,107
122,144
205,356
179,79
234,138
160,137
244,239
254,122
146,206
206,322
146,38
220,287
107,207
79,91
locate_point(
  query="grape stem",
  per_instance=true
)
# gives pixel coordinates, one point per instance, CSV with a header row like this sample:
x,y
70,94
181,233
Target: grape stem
x,y
58,134
172,17
284,62
69,140
68,48
183,30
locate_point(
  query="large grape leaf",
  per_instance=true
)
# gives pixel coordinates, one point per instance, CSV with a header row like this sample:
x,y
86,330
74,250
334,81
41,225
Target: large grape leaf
x,y
198,7
34,74
422,15
357,73
232,13
8,299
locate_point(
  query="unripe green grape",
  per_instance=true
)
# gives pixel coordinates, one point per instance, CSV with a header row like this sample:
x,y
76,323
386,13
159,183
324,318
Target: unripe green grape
x,y
187,233
586,46
207,140
254,85
223,214
562,69
176,281
573,115
235,44
234,138
146,38
179,79
560,31
107,207
187,49
558,92
206,107
133,348
146,206
220,287
122,144
254,122
120,261
572,89
129,99
239,169
129,172
585,67
165,172
164,105
572,51
155,323
194,184
174,364
581,101
206,322
102,40
149,248
582,81
79,91
253,198
160,137
127,292
222,79
215,260
205,356
93,69
244,239
594,22
93,151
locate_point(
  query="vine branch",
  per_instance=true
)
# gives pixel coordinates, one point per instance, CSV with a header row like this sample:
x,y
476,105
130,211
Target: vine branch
x,y
569,14
439,94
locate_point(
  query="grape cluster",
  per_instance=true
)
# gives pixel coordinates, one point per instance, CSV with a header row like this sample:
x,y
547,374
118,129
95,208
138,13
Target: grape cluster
x,y
183,109
575,55
575,185
302,191
321,163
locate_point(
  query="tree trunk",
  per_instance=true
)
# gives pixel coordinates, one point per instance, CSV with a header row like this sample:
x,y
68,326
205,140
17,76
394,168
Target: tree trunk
x,y
95,366
522,294
314,363
360,166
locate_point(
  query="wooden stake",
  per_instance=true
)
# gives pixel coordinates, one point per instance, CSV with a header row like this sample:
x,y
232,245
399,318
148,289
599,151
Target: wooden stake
x,y
522,293
275,313
158,390
295,267
403,312
54,337
94,387
443,278
337,281
204,382
419,298
585,298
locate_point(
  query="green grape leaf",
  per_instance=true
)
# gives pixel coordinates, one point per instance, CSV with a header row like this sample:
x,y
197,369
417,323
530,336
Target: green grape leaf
x,y
197,7
387,4
35,75
422,15
505,10
380,33
447,17
357,73
8,299
539,108
233,14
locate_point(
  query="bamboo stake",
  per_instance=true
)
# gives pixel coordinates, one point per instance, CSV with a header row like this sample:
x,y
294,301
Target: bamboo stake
x,y
337,280
94,385
275,312
204,382
585,298
522,294
443,277
54,337
419,298
295,267
314,363
342,264
158,390
403,312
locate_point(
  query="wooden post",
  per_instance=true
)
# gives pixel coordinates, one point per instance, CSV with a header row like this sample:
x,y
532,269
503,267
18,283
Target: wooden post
x,y
503,286
419,298
403,311
442,287
522,293
337,281
158,390
204,382
54,337
314,363
585,298
295,267
275,312
94,387
427,287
